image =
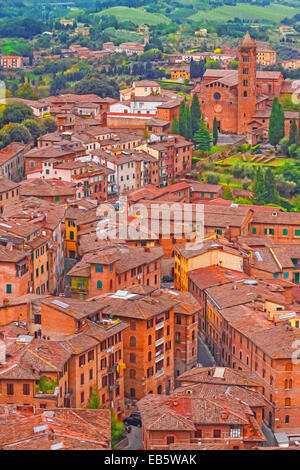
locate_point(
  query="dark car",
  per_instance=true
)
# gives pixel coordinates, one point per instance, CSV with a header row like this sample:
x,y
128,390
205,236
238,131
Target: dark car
x,y
167,279
136,414
133,421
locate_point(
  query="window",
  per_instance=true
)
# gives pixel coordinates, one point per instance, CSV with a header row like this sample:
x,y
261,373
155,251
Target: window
x,y
26,389
10,389
133,325
8,288
170,440
132,341
82,397
99,284
91,355
254,231
81,360
99,268
235,433
133,357
297,233
285,232
217,96
287,402
132,392
217,433
132,373
82,379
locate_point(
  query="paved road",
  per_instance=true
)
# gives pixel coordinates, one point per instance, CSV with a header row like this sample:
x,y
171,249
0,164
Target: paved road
x,y
134,439
204,356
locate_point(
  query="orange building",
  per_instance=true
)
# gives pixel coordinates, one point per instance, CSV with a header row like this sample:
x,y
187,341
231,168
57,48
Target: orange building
x,y
230,417
149,339
114,268
11,61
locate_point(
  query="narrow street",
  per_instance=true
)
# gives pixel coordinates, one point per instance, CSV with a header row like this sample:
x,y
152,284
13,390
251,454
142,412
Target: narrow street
x,y
204,356
134,439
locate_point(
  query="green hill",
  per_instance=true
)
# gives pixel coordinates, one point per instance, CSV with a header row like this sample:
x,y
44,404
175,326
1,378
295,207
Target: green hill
x,y
274,13
139,16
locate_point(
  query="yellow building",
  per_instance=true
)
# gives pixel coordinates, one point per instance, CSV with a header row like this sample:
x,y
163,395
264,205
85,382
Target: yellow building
x,y
212,252
71,238
180,72
40,265
266,56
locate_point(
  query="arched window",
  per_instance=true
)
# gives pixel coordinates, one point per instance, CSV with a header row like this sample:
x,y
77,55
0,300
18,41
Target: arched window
x,y
99,284
149,340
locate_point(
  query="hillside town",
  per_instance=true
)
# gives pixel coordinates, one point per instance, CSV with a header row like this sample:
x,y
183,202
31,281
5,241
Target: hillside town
x,y
150,278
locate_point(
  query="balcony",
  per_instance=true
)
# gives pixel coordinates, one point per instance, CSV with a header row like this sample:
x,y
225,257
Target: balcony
x,y
159,358
159,342
159,373
159,325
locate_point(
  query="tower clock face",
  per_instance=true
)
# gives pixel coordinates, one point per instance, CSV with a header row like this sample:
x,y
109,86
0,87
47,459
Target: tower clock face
x,y
217,96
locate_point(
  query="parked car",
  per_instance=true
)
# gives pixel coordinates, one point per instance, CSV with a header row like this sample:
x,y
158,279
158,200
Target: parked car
x,y
167,279
136,414
133,421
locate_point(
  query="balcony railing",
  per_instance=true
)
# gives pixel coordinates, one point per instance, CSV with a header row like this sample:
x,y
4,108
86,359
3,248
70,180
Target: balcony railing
x,y
160,325
159,342
159,373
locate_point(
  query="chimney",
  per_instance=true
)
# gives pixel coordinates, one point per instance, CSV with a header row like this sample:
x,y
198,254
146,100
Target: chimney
x,y
9,246
2,351
5,302
51,435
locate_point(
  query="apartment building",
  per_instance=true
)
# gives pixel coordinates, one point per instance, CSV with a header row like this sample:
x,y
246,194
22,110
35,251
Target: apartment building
x,y
12,164
114,267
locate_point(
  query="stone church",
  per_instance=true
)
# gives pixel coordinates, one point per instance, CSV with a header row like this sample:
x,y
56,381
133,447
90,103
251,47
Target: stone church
x,y
241,100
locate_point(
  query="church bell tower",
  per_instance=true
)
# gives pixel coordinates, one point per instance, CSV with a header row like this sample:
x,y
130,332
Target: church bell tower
x,y
246,82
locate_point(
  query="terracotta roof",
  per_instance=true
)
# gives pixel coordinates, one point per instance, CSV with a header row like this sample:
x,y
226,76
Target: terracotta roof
x,y
47,188
7,185
219,376
214,276
10,151
23,428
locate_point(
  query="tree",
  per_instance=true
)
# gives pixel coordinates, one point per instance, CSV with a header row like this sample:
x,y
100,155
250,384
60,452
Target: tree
x,y
215,132
293,132
270,185
94,400
26,92
195,114
50,125
227,194
259,188
98,85
202,137
35,127
188,123
182,119
297,142
15,112
175,126
276,127
117,430
15,132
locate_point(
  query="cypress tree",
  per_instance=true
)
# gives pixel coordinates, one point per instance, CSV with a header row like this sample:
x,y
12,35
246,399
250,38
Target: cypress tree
x,y
195,113
293,132
175,126
215,132
202,137
276,127
271,190
227,193
297,140
182,119
259,189
188,123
